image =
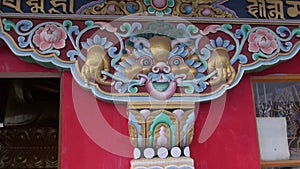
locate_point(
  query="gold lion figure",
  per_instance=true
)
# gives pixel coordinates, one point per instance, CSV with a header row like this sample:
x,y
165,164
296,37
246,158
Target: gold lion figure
x,y
220,61
96,61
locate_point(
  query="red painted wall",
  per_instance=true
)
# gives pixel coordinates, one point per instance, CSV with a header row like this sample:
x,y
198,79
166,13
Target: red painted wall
x,y
102,119
9,63
233,145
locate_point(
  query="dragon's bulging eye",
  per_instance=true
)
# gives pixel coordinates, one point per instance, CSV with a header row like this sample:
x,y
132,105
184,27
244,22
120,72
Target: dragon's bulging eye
x,y
176,60
145,61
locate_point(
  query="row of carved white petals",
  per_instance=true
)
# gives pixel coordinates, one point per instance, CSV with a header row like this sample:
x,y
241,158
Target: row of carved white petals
x,y
162,152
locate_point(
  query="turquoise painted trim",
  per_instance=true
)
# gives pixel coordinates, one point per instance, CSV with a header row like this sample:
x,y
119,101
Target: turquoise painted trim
x,y
165,119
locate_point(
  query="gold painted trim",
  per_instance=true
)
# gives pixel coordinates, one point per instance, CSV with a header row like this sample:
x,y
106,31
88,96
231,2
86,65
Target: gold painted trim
x,y
277,78
145,18
160,105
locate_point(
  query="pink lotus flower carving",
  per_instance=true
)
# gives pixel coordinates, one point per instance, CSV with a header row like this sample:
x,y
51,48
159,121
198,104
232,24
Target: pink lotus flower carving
x,y
262,40
48,36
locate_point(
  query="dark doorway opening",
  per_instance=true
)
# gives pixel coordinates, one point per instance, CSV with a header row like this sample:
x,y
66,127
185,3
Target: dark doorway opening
x,y
29,122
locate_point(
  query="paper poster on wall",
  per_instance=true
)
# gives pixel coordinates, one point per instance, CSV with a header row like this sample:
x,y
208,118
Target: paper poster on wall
x,y
273,141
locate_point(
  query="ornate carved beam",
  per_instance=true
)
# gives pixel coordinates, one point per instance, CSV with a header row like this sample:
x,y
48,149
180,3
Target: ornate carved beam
x,y
159,66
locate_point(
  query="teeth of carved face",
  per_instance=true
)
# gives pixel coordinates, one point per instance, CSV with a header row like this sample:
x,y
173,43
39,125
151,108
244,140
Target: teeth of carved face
x,y
162,80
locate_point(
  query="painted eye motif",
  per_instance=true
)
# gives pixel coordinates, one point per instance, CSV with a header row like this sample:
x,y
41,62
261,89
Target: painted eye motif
x,y
145,61
176,60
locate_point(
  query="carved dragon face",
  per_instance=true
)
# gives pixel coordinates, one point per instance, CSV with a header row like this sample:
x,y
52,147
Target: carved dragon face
x,y
159,64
